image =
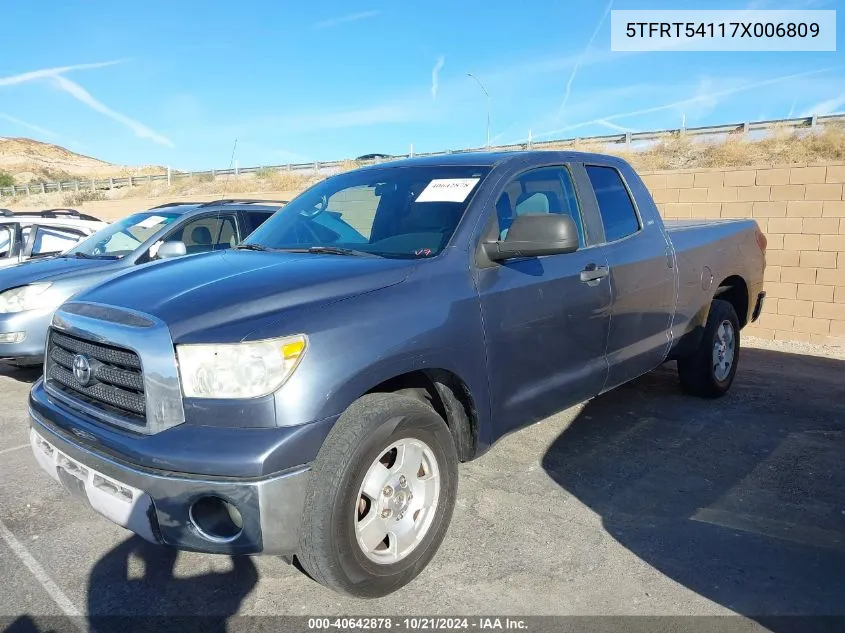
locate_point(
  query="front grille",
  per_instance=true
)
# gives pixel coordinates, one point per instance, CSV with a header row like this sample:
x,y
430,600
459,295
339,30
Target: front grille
x,y
116,385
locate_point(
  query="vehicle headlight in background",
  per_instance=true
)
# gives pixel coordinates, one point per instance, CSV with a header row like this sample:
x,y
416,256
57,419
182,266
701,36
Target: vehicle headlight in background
x,y
240,370
31,297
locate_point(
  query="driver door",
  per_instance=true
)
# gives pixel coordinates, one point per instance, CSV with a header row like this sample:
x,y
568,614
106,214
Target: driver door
x,y
547,318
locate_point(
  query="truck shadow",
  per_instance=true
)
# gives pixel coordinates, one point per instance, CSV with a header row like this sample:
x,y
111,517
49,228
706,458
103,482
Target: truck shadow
x,y
135,587
741,499
21,374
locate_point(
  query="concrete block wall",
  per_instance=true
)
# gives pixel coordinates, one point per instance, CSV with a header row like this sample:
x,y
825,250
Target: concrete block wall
x,y
801,209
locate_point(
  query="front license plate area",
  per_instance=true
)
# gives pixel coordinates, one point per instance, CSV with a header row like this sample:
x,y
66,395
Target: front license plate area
x,y
73,484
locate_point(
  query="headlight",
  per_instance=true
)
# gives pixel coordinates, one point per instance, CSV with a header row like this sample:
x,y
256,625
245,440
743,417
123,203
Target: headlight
x,y
239,370
31,297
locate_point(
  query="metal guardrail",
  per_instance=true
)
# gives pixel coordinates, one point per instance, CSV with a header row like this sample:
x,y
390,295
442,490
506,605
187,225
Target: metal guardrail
x,y
327,167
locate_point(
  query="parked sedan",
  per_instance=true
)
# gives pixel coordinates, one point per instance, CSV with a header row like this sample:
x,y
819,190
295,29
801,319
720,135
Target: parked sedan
x,y
31,292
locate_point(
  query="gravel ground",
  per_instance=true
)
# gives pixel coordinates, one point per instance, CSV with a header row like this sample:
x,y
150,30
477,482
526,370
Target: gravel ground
x,y
644,501
795,347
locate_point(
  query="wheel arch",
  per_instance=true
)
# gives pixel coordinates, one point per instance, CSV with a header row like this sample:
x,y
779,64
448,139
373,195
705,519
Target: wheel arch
x,y
734,290
449,395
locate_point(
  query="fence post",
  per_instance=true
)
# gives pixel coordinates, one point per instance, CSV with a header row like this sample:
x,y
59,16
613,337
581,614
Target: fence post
x,y
316,167
628,140
412,151
76,185
745,127
213,174
27,190
43,190
149,178
813,121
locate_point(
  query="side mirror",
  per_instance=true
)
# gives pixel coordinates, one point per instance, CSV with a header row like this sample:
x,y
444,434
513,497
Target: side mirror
x,y
171,249
536,235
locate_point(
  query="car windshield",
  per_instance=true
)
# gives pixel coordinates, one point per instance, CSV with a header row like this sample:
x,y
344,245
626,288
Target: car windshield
x,y
121,238
396,212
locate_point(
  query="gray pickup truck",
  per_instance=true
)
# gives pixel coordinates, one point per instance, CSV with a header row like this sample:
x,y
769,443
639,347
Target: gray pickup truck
x,y
310,392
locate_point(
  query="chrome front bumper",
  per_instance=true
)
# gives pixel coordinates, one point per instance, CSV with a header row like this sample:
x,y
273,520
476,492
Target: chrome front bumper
x,y
157,505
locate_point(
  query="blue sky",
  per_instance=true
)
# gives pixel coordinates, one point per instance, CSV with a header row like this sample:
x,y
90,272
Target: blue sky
x,y
175,83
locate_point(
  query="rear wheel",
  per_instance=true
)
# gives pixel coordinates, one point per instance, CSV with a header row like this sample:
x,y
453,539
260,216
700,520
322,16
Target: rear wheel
x,y
381,496
710,370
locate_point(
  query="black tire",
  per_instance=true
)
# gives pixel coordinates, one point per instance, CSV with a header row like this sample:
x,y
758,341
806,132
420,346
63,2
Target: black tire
x,y
697,371
328,549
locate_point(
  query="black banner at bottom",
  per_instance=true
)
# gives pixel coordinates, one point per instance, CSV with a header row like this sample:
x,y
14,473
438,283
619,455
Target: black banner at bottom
x,y
407,624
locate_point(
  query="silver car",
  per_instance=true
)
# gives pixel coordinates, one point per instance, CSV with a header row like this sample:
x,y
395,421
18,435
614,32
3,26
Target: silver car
x,y
31,292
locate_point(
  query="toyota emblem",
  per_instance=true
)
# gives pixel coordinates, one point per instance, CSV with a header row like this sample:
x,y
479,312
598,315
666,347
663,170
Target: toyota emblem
x,y
82,369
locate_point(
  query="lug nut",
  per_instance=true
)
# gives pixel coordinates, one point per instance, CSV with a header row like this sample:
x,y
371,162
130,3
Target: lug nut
x,y
388,491
385,513
402,481
399,516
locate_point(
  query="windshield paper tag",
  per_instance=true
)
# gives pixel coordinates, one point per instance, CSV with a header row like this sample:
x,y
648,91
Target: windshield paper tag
x,y
447,190
151,221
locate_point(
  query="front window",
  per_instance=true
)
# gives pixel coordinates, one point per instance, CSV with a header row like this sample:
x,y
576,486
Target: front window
x,y
397,212
123,237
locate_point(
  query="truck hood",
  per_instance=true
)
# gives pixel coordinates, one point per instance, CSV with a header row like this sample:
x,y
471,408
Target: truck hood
x,y
49,269
218,297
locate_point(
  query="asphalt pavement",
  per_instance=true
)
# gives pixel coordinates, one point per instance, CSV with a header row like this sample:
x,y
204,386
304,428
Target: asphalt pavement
x,y
644,501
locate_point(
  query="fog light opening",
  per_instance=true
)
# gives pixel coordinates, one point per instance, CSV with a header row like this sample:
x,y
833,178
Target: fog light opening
x,y
216,520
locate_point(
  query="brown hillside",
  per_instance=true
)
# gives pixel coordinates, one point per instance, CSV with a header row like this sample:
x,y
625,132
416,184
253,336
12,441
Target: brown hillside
x,y
29,160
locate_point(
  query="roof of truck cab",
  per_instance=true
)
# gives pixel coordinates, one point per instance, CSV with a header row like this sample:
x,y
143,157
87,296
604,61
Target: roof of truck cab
x,y
489,159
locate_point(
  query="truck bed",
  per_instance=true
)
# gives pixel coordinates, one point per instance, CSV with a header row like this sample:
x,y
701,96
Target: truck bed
x,y
703,251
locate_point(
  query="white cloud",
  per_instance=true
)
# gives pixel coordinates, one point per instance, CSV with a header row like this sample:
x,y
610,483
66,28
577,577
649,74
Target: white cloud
x,y
583,57
614,126
828,106
354,17
702,97
435,72
31,126
52,72
80,94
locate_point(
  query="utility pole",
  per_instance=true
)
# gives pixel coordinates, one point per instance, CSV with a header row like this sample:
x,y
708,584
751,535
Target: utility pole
x,y
486,94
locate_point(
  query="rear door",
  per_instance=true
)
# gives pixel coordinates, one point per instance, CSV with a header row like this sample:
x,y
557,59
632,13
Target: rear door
x,y
641,277
546,321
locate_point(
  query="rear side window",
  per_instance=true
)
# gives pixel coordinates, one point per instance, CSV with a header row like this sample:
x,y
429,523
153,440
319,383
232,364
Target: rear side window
x,y
617,211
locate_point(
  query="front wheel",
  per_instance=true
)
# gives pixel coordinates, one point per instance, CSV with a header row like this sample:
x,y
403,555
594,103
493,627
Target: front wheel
x,y
709,371
381,496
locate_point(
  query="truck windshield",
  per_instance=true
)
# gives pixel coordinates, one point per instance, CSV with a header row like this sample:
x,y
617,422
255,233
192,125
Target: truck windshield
x,y
121,238
396,212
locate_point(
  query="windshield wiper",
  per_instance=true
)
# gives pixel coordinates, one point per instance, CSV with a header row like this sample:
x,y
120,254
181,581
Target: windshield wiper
x,y
82,255
339,250
251,247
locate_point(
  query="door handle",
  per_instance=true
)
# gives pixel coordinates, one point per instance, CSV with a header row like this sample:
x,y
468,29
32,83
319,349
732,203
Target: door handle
x,y
594,273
